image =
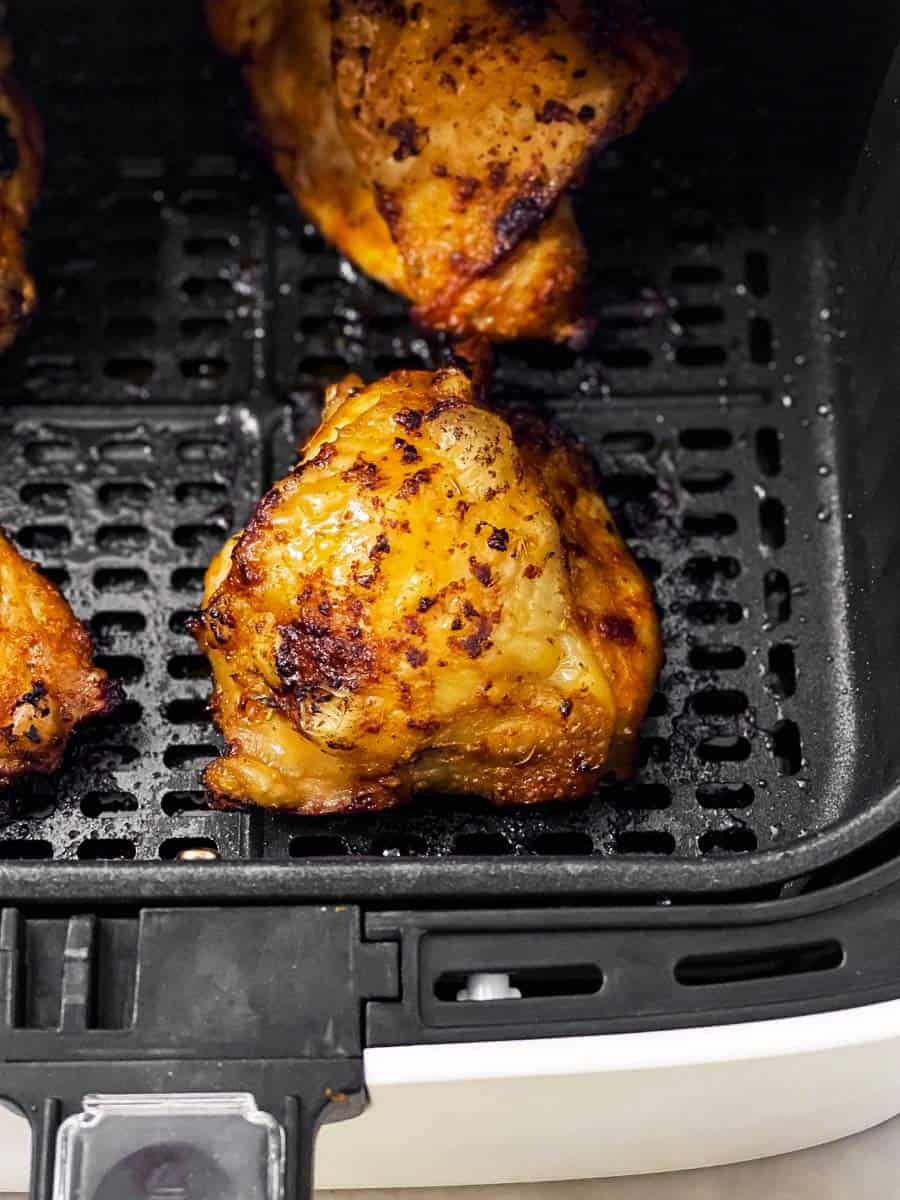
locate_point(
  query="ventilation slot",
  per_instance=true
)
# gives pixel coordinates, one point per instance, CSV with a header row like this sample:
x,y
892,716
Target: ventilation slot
x,y
782,676
772,523
725,795
534,983
645,841
727,841
480,843
716,658
777,595
318,846
709,970
786,747
562,843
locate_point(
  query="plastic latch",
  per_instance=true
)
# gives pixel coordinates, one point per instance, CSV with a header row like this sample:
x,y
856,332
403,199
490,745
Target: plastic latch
x,y
487,985
170,1146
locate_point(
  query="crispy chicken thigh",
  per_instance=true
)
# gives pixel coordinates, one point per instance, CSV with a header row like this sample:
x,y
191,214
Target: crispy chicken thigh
x,y
48,683
21,152
434,142
434,598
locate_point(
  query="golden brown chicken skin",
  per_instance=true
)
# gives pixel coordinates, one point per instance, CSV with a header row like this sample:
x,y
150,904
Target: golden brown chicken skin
x,y
48,683
434,142
21,152
432,599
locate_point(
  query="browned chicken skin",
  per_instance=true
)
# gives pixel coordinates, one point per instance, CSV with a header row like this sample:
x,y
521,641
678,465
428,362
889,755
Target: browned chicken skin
x,y
21,152
435,598
48,683
434,142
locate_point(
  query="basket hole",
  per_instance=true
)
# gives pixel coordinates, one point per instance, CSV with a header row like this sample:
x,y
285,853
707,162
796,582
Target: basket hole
x,y
756,273
772,523
705,439
777,596
25,848
127,668
205,492
317,846
212,368
724,748
324,366
567,841
188,579
202,450
768,451
196,537
185,756
122,539
697,275
127,291
174,804
399,845
716,658
125,495
189,666
99,803
701,482
178,621
629,441
50,453
171,848
44,537
782,676
212,291
50,496
138,371
645,841
189,711
719,702
641,796
106,848
125,329
760,336
197,327
126,451
724,795
786,747
704,570
629,487
107,757
714,612
736,966
210,245
625,357
714,525
701,356
699,314
108,625
727,841
480,843
121,579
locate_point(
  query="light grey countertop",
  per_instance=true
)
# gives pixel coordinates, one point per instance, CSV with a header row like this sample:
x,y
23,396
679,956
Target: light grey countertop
x,y
863,1167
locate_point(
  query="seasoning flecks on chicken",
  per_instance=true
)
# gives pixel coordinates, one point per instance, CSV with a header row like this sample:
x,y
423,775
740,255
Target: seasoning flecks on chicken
x,y
21,153
433,599
434,142
48,683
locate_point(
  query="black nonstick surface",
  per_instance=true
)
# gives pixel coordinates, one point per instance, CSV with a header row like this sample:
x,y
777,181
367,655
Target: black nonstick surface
x,y
189,318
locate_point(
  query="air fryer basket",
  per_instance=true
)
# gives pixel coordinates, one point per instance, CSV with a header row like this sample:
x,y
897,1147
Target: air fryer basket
x,y
189,318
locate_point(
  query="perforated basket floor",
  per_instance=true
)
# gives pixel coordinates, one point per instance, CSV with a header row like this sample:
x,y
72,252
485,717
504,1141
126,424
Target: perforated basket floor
x,y
189,320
